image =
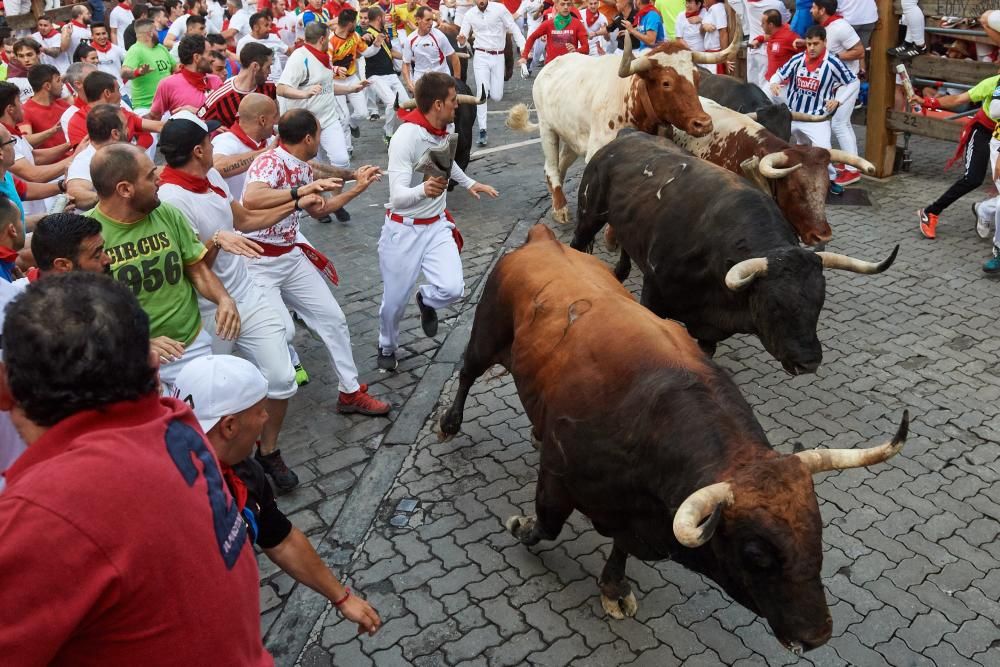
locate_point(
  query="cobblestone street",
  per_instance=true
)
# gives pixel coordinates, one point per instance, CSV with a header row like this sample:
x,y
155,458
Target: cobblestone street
x,y
911,563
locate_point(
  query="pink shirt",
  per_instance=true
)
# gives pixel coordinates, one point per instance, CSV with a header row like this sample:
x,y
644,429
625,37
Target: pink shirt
x,y
175,92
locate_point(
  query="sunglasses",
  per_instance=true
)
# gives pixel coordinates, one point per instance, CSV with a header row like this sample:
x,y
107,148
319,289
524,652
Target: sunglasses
x,y
9,142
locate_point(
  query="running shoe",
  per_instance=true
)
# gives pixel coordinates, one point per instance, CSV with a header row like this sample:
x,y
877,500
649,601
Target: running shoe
x,y
928,223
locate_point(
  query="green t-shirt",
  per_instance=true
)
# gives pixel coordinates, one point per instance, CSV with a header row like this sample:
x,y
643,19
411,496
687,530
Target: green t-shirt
x,y
161,65
983,92
149,257
669,9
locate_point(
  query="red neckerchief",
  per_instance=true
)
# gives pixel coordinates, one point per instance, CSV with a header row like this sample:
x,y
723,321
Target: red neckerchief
x,y
831,20
7,254
691,15
642,12
241,134
321,56
78,24
591,17
188,182
235,484
126,6
52,32
32,274
102,49
812,65
414,116
13,129
196,80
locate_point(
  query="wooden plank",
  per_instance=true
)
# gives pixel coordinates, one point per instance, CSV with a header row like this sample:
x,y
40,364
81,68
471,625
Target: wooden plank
x,y
947,69
880,140
963,8
924,126
27,21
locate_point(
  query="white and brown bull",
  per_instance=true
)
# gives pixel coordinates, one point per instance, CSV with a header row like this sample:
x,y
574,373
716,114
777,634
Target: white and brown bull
x,y
796,176
583,101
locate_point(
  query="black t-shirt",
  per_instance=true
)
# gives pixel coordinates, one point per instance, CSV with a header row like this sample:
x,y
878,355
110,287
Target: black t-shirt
x,y
622,33
268,525
380,64
129,36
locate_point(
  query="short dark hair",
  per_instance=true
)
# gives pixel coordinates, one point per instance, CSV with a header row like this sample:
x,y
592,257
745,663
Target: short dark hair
x,y
374,12
97,25
102,120
190,46
773,17
215,38
295,125
828,6
60,235
113,164
140,10
39,75
57,371
83,49
315,31
254,53
423,11
257,17
140,24
9,94
431,87
816,32
26,43
347,17
194,19
170,4
97,83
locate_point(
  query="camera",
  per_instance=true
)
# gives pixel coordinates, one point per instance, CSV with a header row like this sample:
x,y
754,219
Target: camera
x,y
616,23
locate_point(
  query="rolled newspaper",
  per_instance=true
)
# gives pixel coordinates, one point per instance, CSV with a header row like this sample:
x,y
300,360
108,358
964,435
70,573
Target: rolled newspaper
x,y
904,78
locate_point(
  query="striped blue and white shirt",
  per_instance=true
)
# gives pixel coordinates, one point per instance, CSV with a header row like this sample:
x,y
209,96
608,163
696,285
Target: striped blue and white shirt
x,y
808,92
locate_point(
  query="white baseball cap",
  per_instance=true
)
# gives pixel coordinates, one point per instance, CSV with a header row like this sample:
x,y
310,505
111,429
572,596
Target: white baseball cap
x,y
219,385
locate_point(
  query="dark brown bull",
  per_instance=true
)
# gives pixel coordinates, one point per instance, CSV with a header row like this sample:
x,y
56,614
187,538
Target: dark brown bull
x,y
639,431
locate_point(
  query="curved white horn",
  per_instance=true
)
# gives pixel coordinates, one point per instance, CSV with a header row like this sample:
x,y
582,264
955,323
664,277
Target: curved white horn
x,y
745,272
810,118
832,260
408,104
625,67
822,460
468,99
701,57
770,165
837,155
705,502
640,65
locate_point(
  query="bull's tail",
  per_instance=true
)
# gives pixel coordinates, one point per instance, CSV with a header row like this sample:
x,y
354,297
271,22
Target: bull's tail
x,y
518,119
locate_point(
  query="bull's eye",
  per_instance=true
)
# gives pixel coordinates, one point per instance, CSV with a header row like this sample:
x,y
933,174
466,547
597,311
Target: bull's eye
x,y
758,556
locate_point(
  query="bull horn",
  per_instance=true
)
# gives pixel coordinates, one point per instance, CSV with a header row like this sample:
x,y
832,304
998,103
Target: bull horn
x,y
625,67
745,272
832,260
407,105
468,99
703,58
706,502
810,118
837,155
822,460
770,165
752,115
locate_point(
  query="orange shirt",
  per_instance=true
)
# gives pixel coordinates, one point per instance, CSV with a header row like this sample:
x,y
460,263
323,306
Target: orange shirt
x,y
345,51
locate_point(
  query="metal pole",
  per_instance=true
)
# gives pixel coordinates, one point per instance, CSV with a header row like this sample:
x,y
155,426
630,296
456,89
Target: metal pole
x,y
957,32
940,84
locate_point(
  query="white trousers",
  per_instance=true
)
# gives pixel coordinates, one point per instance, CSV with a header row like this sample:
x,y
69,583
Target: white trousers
x,y
387,87
489,74
817,134
990,209
201,346
404,250
358,103
843,129
913,19
263,340
291,281
757,68
334,144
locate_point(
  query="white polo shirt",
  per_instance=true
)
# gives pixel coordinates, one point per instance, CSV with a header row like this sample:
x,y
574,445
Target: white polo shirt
x,y
120,19
840,37
79,168
427,53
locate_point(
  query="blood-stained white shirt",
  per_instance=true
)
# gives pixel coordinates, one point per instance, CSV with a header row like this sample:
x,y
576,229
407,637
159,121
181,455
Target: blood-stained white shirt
x,y
279,170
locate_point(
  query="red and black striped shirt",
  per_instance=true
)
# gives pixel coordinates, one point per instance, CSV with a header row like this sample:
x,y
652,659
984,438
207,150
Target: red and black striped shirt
x,y
224,102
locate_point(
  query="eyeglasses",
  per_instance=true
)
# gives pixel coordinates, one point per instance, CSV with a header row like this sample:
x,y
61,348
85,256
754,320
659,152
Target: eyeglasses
x,y
9,142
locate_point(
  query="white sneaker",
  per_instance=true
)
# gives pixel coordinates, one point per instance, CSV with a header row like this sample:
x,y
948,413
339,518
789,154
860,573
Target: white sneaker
x,y
983,227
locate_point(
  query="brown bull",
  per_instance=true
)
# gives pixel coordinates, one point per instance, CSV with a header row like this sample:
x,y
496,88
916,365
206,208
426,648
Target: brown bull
x,y
640,431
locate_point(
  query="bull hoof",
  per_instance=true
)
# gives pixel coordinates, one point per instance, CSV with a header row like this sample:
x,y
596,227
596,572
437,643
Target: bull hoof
x,y
620,608
523,528
610,240
448,425
561,215
536,443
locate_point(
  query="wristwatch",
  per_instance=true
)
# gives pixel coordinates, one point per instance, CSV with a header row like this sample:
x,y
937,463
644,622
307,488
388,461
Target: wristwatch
x,y
62,184
295,196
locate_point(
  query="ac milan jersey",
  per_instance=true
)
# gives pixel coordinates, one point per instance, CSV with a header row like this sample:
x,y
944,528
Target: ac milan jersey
x,y
810,90
223,103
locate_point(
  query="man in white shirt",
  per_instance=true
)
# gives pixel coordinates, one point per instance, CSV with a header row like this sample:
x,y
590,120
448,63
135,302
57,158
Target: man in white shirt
x,y
862,15
757,46
597,28
842,41
55,43
419,234
236,149
119,19
260,33
489,22
239,21
109,55
427,50
216,16
195,25
26,54
105,125
190,183
178,28
80,27
291,271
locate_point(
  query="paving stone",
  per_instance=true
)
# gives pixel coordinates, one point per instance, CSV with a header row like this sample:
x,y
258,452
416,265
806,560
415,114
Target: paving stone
x,y
975,636
472,644
898,654
515,649
927,630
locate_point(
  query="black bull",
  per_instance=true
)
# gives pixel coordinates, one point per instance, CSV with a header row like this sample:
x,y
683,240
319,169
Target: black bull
x,y
745,97
693,228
